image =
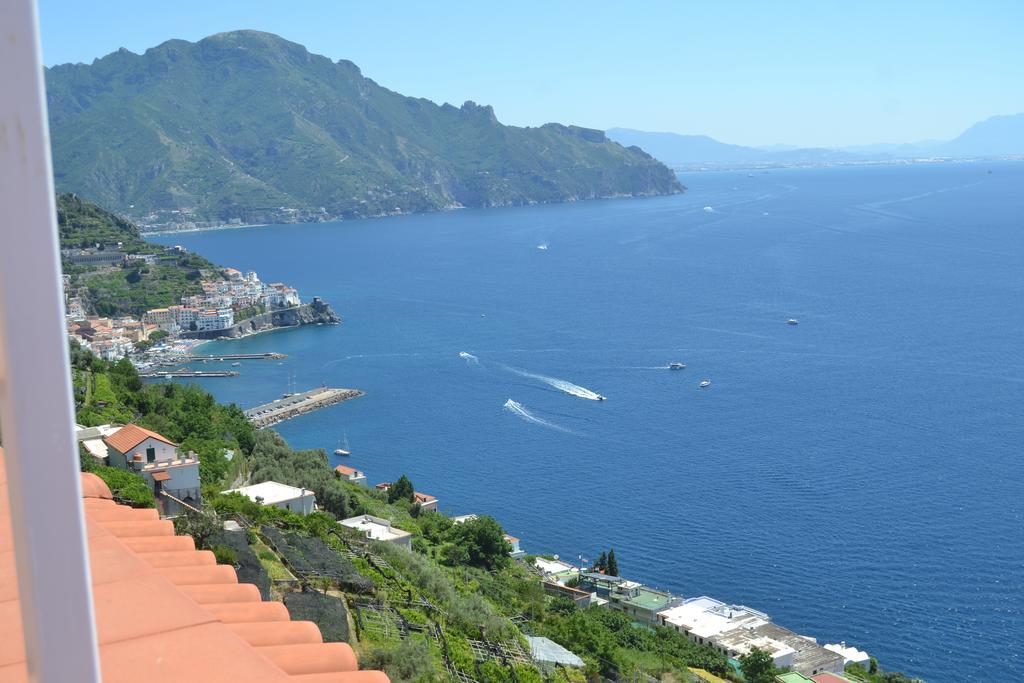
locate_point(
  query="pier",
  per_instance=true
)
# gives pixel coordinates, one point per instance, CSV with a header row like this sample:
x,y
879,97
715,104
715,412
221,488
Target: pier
x,y
297,404
188,373
233,356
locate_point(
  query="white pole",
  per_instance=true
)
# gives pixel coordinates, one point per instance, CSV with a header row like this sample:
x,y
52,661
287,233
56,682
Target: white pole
x,y
36,412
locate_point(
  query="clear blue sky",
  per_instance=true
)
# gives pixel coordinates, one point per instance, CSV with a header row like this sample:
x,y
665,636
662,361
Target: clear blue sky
x,y
792,72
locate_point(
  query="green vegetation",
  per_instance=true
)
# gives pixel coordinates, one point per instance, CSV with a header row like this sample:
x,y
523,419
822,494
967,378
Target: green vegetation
x,y
168,132
758,666
186,414
875,675
135,286
126,486
607,563
401,490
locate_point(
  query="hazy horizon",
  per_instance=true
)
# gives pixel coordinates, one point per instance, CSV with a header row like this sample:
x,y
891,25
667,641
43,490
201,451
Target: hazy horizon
x,y
809,75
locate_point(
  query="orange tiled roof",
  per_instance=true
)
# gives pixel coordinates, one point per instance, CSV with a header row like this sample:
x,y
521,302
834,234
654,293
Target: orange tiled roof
x,y
167,612
422,497
344,469
130,436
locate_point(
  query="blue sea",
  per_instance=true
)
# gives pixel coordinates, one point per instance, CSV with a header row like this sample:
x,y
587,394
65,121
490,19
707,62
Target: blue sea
x,y
857,476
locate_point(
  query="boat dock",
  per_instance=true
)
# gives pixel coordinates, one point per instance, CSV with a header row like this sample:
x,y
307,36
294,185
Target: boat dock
x,y
234,356
298,404
159,374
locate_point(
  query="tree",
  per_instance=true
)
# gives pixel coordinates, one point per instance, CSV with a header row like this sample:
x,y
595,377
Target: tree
x,y
602,562
201,526
401,490
483,540
758,666
612,568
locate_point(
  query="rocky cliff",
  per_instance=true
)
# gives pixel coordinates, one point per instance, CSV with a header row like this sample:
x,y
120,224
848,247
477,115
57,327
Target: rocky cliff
x,y
318,312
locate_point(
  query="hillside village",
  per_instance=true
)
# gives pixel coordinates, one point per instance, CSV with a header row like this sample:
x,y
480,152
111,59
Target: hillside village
x,y
301,528
108,283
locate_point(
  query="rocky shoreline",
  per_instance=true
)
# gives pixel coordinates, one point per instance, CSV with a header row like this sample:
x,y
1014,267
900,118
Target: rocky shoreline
x,y
317,312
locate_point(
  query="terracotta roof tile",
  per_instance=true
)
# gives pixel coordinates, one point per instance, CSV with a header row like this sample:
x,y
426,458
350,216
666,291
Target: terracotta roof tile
x,y
166,612
130,436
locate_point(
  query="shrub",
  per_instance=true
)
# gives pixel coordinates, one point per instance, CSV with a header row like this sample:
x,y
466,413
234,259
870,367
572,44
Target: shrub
x,y
126,485
409,660
225,555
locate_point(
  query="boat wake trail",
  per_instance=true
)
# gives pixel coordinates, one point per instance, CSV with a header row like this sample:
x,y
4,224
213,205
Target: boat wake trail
x,y
469,358
560,384
520,410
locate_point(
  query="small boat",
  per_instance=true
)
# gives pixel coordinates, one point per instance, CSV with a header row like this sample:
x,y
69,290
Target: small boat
x,y
341,451
792,321
286,395
705,383
235,365
676,366
543,247
599,397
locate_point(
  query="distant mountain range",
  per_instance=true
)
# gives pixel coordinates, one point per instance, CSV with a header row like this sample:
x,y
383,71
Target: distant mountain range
x,y
249,127
994,137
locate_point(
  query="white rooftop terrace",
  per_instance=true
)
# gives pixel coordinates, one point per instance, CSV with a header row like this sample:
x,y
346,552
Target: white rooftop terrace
x,y
553,566
271,492
375,528
706,617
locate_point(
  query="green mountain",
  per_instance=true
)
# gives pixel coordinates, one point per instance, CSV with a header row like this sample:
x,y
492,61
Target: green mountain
x,y
248,126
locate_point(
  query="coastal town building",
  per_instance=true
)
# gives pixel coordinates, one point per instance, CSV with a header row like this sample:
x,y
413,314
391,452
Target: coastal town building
x,y
555,570
95,256
424,500
351,474
634,599
218,319
163,318
271,493
850,655
379,529
516,551
582,598
157,459
734,630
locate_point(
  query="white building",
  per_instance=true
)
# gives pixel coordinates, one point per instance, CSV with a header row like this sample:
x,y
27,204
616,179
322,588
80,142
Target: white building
x,y
850,655
185,316
351,474
378,529
156,458
219,319
297,500
555,570
280,295
704,620
734,630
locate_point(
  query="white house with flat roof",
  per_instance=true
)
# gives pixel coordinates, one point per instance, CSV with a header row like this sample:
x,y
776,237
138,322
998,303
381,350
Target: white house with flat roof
x,y
555,570
298,500
705,621
378,529
850,654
